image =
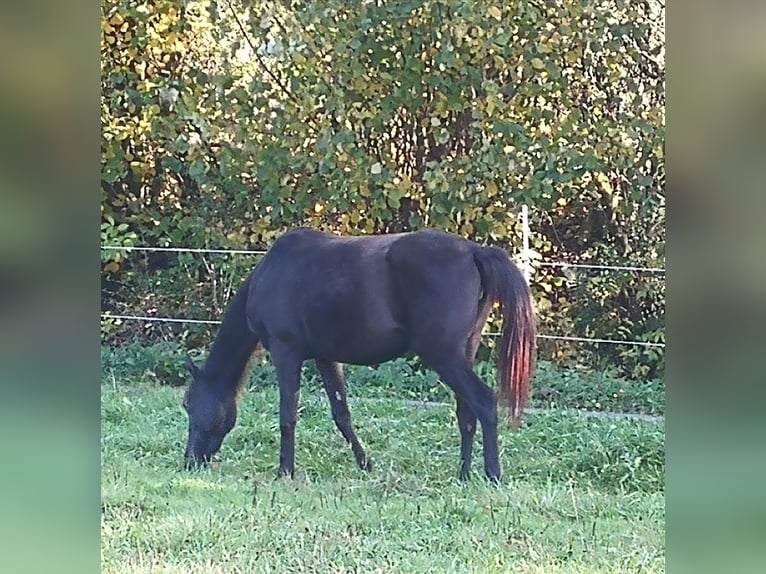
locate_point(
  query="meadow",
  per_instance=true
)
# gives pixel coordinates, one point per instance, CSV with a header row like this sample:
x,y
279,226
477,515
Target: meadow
x,y
579,493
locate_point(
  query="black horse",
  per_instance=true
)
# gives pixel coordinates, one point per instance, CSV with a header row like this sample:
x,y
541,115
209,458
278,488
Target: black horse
x,y
364,301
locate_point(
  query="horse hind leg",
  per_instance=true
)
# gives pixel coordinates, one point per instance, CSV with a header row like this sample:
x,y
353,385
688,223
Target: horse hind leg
x,y
466,421
466,418
335,387
475,401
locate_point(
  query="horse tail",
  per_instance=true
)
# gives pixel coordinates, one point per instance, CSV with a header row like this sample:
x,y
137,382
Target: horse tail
x,y
503,283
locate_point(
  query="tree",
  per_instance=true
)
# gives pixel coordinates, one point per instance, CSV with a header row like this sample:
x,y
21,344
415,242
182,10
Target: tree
x,y
225,125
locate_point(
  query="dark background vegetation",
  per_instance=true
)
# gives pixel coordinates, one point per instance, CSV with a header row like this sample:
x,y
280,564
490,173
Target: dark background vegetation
x,y
224,132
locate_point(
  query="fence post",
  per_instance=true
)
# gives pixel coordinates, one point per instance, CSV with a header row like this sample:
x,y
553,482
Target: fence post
x,y
526,262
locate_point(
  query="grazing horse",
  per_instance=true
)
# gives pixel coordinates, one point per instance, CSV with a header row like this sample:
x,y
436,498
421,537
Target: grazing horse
x,y
364,301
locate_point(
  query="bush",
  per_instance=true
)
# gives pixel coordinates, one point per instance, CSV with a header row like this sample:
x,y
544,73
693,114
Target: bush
x,y
392,117
553,387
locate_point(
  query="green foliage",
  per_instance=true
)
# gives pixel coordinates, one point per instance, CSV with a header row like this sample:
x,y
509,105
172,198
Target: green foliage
x,y
557,388
387,117
404,379
162,363
577,495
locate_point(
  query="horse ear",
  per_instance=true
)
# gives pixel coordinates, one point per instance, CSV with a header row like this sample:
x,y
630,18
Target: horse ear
x,y
191,367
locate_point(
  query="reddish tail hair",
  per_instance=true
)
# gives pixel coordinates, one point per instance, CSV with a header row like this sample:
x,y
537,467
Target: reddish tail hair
x,y
504,284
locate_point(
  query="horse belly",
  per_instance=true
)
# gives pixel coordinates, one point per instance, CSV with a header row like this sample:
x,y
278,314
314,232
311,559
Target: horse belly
x,y
348,341
382,347
381,350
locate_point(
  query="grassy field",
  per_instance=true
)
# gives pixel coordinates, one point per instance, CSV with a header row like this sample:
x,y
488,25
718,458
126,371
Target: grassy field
x,y
402,379
578,494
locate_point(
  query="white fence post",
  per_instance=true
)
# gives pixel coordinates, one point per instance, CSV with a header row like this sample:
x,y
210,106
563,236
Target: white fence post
x,y
526,260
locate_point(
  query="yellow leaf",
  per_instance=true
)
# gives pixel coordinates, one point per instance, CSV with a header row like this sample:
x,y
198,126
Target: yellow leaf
x,y
491,189
574,55
605,184
499,230
495,12
538,64
490,105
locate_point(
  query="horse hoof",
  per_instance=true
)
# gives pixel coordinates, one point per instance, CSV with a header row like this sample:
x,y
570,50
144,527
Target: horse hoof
x,y
285,473
365,464
494,479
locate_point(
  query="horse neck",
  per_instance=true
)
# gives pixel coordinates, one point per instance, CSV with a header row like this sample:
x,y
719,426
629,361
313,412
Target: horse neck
x,y
232,348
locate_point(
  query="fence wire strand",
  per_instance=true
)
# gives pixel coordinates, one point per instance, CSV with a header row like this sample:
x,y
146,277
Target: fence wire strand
x,y
563,265
490,334
159,319
183,250
604,267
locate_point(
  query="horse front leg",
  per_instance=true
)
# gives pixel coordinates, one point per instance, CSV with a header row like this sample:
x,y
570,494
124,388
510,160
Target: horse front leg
x,y
288,367
335,387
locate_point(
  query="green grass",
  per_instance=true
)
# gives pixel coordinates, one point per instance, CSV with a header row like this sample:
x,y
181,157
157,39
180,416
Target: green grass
x,y
578,494
552,387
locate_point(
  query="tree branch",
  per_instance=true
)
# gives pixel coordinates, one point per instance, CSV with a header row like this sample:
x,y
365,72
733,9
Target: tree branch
x,y
266,69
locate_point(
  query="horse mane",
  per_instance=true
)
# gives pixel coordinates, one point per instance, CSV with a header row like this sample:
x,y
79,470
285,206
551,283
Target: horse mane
x,y
227,368
244,377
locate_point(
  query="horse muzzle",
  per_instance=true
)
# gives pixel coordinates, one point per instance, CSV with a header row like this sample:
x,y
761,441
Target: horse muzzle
x,y
193,458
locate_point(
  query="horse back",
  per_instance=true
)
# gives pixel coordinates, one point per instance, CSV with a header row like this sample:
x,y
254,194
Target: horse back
x,y
331,297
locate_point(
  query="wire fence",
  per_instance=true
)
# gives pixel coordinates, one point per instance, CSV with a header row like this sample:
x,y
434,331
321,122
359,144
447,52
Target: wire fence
x,y
602,267
489,334
557,264
182,250
560,264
